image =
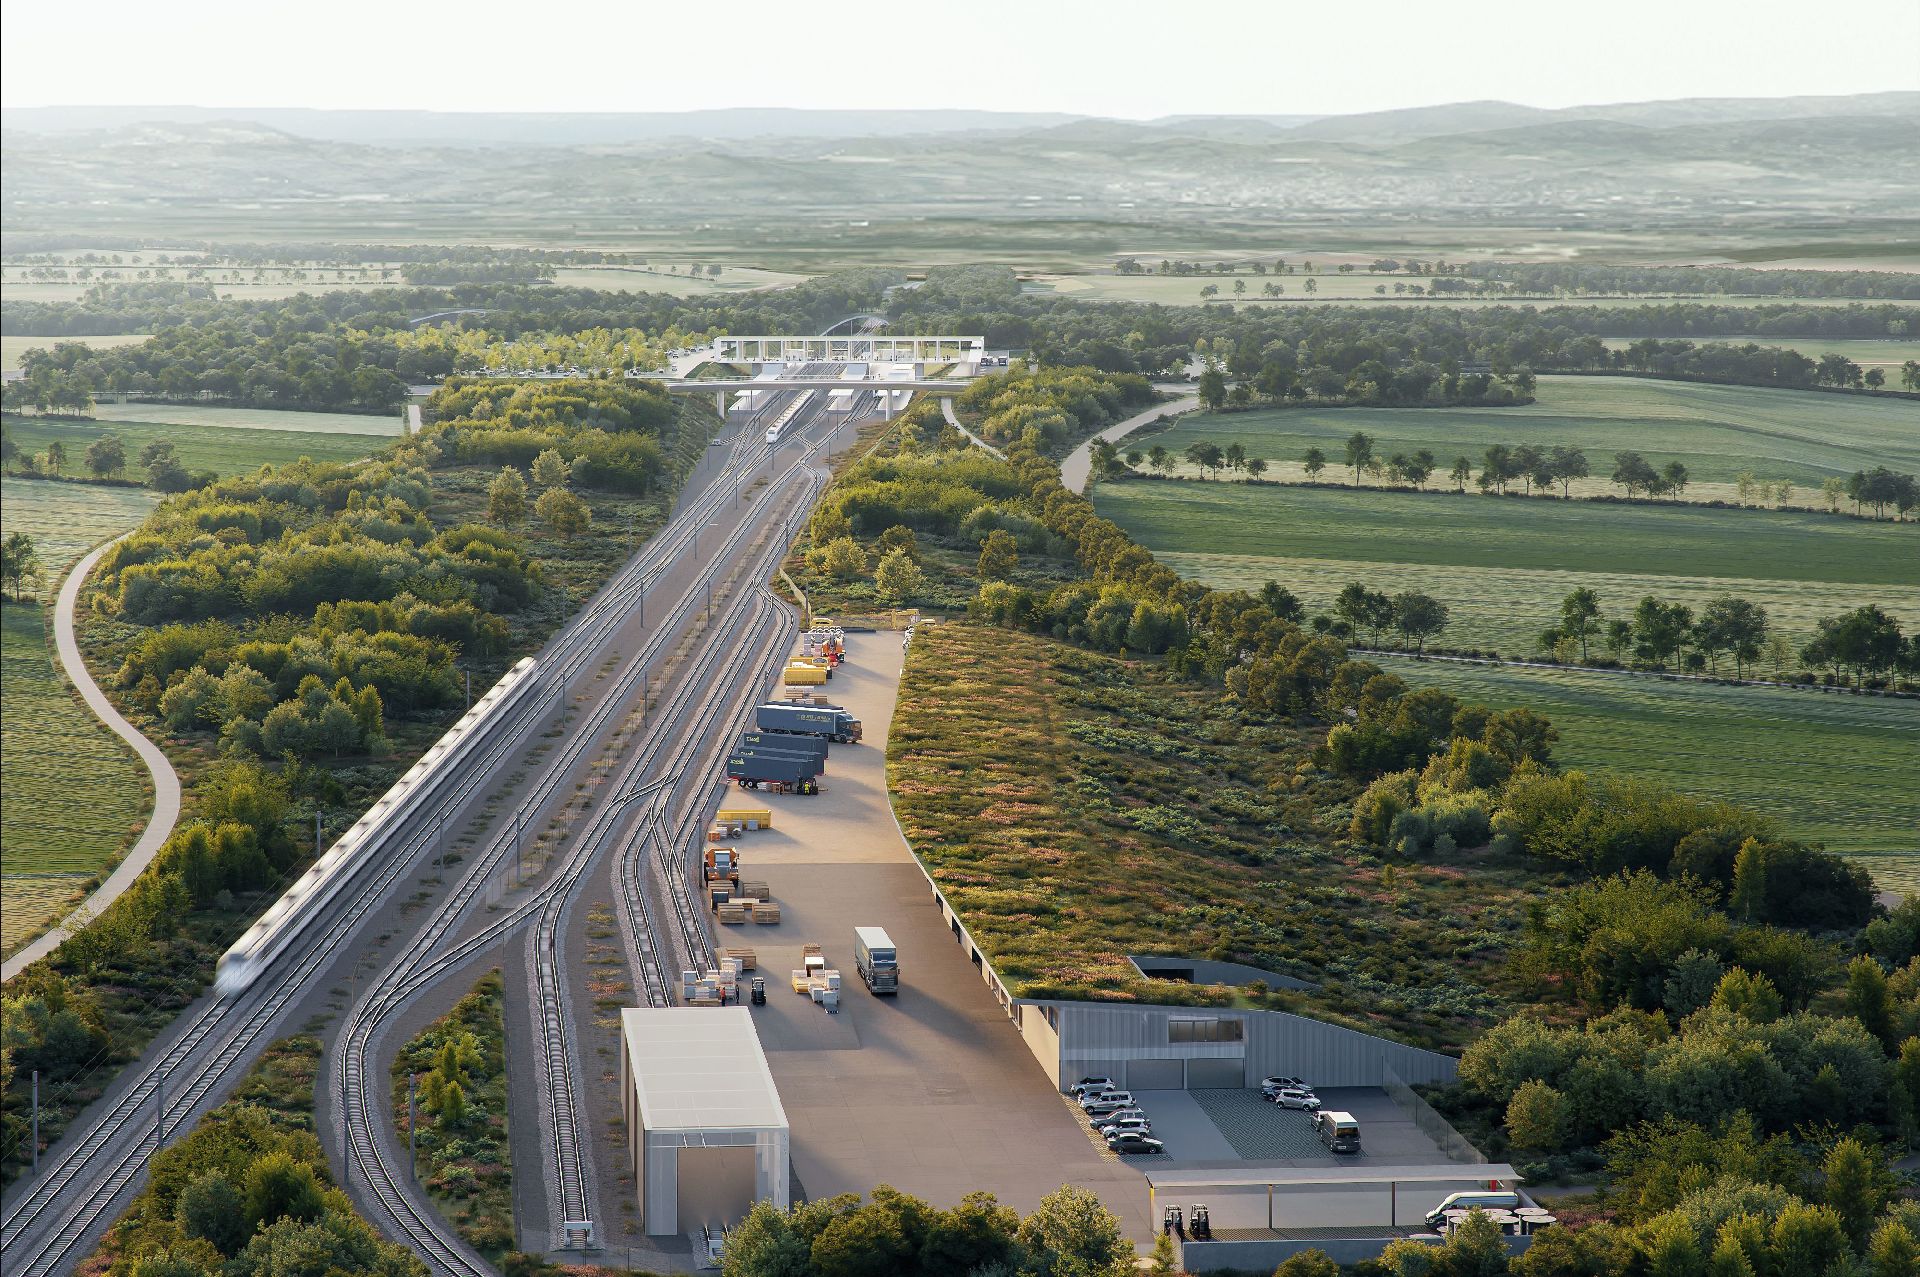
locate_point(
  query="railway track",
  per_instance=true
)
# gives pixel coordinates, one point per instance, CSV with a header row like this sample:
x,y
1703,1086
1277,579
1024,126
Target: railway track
x,y
359,1086
50,1218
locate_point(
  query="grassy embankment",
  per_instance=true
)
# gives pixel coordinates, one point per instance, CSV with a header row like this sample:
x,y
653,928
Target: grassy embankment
x,y
1079,808
223,449
465,1158
1715,431
249,1188
72,794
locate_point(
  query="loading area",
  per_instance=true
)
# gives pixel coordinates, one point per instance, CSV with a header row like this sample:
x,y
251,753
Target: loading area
x,y
930,1090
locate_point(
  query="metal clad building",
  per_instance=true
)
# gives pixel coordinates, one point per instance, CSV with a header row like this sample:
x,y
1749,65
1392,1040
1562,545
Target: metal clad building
x,y
1194,1048
706,1132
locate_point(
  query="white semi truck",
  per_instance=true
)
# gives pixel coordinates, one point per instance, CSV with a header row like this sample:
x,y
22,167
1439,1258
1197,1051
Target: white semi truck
x,y
877,960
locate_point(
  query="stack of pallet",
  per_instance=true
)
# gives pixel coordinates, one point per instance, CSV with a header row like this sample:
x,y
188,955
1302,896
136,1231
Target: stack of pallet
x,y
765,912
732,912
745,818
745,957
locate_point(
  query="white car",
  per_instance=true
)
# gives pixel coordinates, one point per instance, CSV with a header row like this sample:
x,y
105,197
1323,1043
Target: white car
x,y
1120,1118
1127,1128
1102,1105
1086,1084
1294,1097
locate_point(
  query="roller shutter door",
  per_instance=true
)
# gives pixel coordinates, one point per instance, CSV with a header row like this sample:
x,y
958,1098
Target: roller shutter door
x,y
1216,1075
1155,1075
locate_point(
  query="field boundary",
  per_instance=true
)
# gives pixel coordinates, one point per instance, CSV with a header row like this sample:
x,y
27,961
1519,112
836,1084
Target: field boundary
x,y
166,782
1666,676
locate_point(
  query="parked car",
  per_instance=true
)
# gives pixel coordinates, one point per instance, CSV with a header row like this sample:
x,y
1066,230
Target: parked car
x,y
1086,1084
1090,1097
1125,1144
1103,1107
1277,1081
1134,1127
1293,1097
1107,1120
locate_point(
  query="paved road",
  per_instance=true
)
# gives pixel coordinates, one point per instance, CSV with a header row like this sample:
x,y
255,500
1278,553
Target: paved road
x,y
166,783
1078,466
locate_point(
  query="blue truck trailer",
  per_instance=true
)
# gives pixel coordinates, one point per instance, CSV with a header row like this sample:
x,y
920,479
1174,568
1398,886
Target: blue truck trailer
x,y
781,773
800,719
791,744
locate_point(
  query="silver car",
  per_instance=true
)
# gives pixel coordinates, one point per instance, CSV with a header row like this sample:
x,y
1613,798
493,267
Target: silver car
x,y
1294,1097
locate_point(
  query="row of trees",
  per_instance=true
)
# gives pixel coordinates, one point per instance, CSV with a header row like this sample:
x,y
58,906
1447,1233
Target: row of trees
x,y
106,459
1659,634
1281,377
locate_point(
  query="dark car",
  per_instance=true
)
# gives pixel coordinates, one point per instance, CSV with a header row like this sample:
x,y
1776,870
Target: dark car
x,y
1128,1142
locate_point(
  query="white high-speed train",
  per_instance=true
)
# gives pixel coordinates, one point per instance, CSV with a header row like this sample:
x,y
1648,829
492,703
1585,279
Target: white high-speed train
x,y
785,419
280,925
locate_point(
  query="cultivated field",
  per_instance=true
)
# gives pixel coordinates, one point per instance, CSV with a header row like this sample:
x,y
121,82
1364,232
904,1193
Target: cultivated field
x,y
12,348
273,283
1839,769
72,794
1502,566
1184,290
343,423
218,448
1716,431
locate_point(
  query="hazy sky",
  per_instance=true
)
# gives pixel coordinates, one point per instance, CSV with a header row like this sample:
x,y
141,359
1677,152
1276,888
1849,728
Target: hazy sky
x,y
1129,58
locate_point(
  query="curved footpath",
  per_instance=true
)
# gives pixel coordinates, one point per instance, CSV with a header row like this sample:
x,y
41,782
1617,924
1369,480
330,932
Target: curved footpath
x,y
166,783
946,408
1078,466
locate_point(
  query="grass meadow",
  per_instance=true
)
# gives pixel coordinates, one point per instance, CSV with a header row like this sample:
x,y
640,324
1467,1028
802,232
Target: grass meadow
x,y
72,795
1502,566
222,449
1833,768
342,423
1717,431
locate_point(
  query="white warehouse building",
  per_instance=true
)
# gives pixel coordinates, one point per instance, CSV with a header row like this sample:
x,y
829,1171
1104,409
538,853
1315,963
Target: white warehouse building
x,y
706,1133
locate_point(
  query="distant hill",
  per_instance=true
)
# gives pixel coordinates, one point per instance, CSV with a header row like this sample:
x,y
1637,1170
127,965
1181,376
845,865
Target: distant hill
x,y
454,128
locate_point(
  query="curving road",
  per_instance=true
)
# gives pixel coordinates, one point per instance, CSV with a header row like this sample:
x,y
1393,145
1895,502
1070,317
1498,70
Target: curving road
x,y
166,783
1078,467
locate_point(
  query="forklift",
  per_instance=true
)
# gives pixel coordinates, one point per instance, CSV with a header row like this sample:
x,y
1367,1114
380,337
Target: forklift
x,y
759,994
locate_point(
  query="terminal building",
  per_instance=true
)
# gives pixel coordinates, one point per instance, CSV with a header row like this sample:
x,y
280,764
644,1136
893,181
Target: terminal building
x,y
706,1133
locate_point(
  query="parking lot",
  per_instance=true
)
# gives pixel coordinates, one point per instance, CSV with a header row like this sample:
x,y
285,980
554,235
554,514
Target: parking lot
x,y
931,1091
1213,1127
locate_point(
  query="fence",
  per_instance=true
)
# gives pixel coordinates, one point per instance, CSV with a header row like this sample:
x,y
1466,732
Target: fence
x,y
1428,1122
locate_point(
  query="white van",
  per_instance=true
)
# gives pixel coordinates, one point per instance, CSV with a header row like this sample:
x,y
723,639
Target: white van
x,y
1484,1199
1338,1131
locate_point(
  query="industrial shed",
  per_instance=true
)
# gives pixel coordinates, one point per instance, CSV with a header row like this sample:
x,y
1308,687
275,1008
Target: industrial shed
x,y
706,1133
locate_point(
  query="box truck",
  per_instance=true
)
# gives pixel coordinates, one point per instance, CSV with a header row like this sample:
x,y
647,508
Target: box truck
x,y
792,744
786,774
876,959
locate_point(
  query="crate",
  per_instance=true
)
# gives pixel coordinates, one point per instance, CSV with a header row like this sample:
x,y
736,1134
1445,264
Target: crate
x,y
744,957
800,979
755,890
705,1002
732,915
746,817
719,833
766,913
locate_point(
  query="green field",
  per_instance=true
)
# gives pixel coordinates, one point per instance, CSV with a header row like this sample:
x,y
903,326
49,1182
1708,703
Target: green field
x,y
73,795
1864,351
1717,431
221,449
1502,566
1838,769
12,348
339,423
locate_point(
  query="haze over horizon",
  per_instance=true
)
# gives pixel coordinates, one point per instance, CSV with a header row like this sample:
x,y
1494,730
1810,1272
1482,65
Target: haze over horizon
x,y
1133,63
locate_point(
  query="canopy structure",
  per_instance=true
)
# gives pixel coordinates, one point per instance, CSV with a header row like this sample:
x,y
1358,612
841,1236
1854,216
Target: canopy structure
x,y
1248,1196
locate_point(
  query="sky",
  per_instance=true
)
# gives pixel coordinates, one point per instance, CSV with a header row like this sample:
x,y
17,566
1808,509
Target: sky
x,y
1125,58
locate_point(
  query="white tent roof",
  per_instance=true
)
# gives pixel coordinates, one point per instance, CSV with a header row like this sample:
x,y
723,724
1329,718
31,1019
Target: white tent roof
x,y
1254,1175
700,1069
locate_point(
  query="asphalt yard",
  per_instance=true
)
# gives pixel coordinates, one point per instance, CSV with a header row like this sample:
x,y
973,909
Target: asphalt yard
x,y
931,1091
